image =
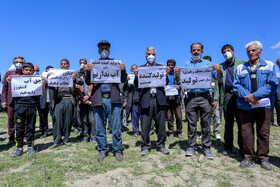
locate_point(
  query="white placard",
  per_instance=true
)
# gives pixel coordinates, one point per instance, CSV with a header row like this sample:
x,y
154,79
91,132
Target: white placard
x,y
196,77
106,71
131,79
60,78
263,102
151,76
26,85
171,90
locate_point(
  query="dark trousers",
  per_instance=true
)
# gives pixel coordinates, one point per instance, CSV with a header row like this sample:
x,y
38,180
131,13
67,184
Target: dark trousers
x,y
262,118
63,114
277,107
87,120
199,105
135,115
230,112
44,125
25,114
76,117
11,122
147,114
172,108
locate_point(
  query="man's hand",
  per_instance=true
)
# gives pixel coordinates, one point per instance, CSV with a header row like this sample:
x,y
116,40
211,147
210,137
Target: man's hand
x,y
88,67
168,70
217,68
8,79
214,104
178,87
4,105
85,98
251,99
124,105
177,73
73,76
43,79
122,66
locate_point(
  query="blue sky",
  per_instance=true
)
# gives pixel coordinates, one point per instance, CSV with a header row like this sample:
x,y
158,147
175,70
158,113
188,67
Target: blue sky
x,y
44,32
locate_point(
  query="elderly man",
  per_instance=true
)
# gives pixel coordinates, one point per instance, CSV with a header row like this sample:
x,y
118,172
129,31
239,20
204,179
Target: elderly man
x,y
199,100
255,81
106,103
153,104
228,97
7,101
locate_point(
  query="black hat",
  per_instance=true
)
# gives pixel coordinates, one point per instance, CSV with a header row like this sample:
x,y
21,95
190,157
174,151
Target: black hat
x,y
104,42
48,67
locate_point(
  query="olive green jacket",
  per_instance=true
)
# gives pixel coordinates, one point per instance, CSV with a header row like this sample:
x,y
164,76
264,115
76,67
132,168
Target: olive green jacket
x,y
220,85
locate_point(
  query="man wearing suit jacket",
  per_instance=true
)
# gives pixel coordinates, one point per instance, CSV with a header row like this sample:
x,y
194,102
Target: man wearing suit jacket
x,y
46,107
153,104
7,100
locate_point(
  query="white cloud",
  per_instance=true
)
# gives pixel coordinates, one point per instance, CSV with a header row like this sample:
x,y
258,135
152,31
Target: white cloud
x,y
276,46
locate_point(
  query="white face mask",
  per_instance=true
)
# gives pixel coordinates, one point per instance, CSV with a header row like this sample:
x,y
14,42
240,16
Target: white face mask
x,y
36,73
195,58
151,59
104,54
228,55
82,66
18,66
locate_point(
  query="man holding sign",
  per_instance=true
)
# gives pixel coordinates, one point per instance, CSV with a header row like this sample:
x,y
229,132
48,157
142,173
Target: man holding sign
x,y
199,99
106,99
26,98
151,79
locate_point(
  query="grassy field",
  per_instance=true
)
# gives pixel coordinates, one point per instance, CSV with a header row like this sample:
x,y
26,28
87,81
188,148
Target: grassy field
x,y
77,166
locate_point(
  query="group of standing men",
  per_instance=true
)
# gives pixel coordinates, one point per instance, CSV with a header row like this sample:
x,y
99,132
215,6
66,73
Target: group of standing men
x,y
240,88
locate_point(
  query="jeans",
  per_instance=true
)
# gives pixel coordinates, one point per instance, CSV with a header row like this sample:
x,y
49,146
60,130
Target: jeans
x,y
101,114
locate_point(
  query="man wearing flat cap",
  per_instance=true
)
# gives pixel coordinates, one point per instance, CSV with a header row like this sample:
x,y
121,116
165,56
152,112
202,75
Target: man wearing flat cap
x,y
106,103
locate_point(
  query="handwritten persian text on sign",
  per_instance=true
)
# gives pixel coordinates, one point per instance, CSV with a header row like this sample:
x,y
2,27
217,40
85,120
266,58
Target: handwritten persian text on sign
x,y
171,90
106,71
60,78
26,85
198,77
152,76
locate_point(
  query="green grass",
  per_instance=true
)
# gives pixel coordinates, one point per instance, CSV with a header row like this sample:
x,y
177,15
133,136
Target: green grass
x,y
66,165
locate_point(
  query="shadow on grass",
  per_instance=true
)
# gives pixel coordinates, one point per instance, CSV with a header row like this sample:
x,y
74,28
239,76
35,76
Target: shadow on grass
x,y
6,147
274,160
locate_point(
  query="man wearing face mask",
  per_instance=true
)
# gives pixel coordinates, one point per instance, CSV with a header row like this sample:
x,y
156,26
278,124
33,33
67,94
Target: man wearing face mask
x,y
228,98
64,101
106,103
85,111
153,104
199,100
7,100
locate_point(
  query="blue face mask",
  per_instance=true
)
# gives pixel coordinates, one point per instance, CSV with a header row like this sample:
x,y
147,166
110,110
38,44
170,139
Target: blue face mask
x,y
36,73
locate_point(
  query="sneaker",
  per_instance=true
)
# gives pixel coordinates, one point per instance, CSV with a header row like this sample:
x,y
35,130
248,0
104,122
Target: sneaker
x,y
31,150
67,143
218,137
119,156
163,150
145,152
189,151
101,157
266,165
208,153
226,152
245,163
18,152
180,136
171,136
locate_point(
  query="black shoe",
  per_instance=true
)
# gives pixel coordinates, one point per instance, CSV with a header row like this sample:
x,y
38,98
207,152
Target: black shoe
x,y
101,157
119,156
18,152
266,165
189,152
31,150
145,152
163,150
226,152
245,163
54,146
67,143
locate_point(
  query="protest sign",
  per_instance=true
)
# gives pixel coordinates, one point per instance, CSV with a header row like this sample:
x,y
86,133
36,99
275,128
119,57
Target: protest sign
x,y
196,77
106,71
171,90
152,76
26,85
131,79
60,78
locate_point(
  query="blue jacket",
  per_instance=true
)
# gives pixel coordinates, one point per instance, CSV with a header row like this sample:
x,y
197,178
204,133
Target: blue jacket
x,y
266,80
